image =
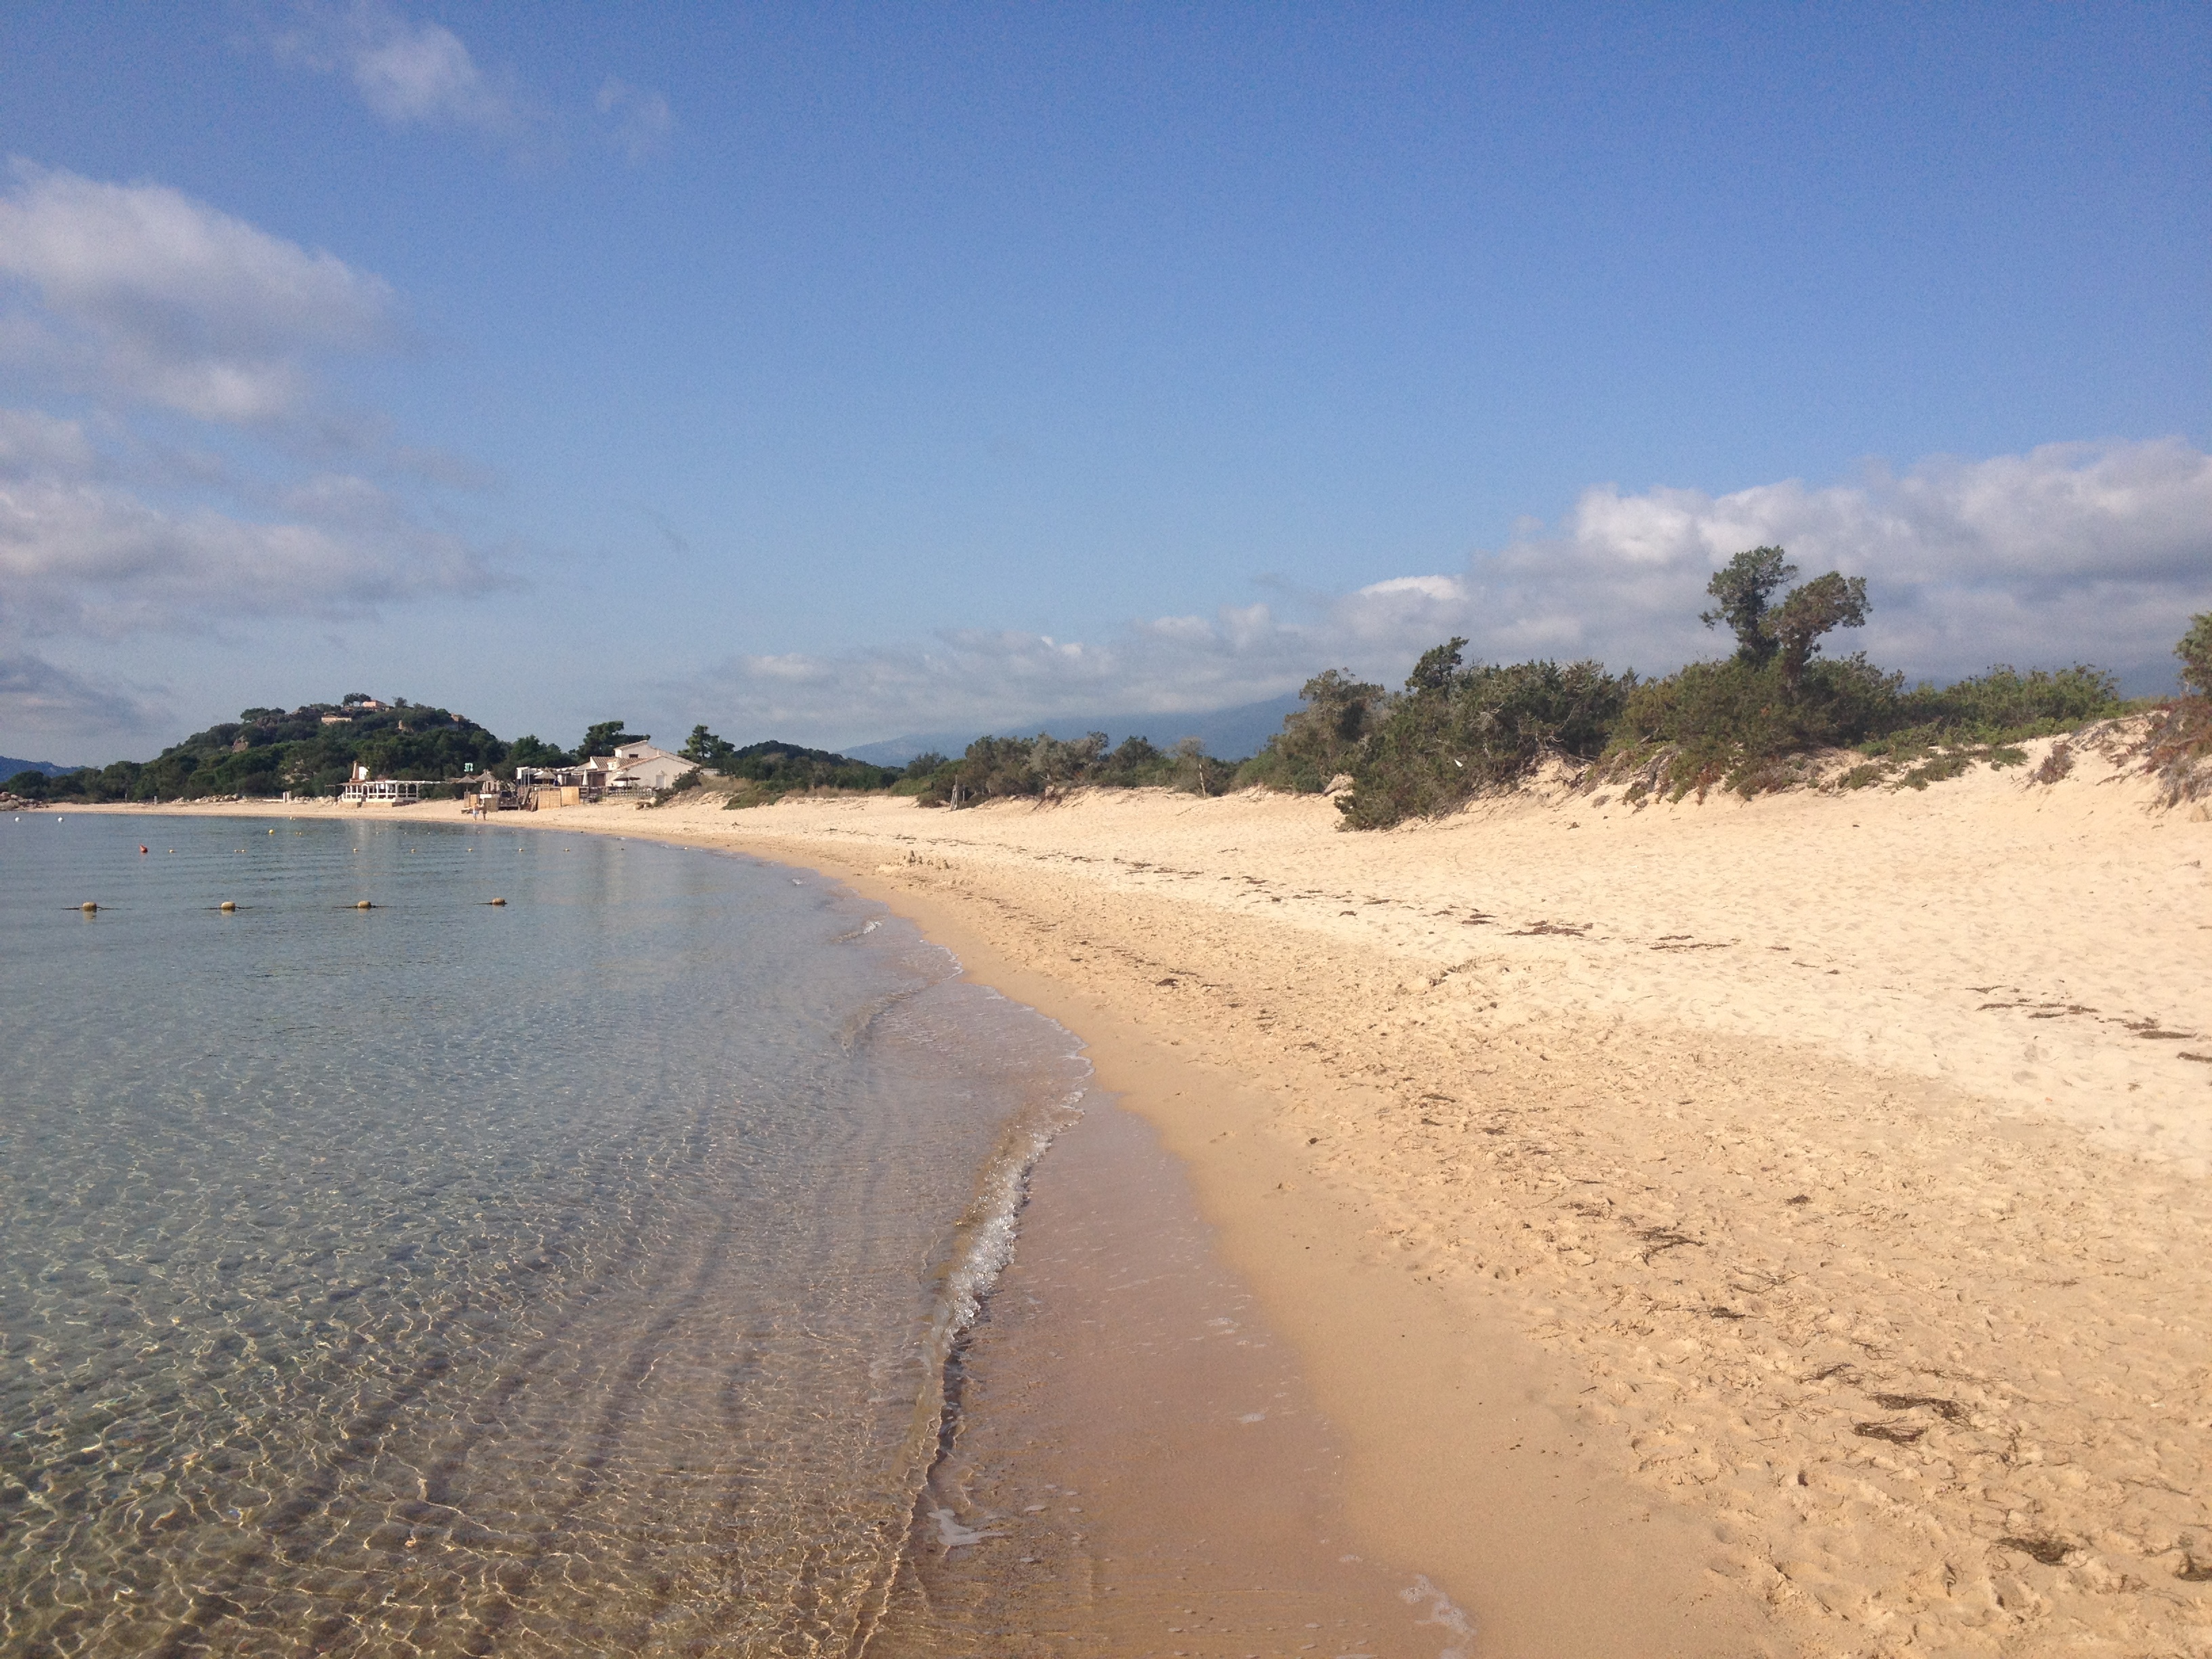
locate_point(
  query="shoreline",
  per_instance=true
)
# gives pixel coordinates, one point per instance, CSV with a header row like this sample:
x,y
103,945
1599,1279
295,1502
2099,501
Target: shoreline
x,y
1787,1233
1571,1559
1137,1453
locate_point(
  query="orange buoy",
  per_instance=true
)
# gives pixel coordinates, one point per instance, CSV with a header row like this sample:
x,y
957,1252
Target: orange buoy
x,y
228,904
89,907
142,849
364,905
495,900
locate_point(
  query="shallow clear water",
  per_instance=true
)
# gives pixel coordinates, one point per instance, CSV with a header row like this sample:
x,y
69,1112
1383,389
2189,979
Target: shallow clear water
x,y
573,1275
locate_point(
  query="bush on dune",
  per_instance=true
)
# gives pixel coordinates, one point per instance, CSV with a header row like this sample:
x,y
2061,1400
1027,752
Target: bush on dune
x,y
1762,719
1046,767
2195,651
2180,738
1771,716
1735,722
1322,738
2007,705
1456,730
916,780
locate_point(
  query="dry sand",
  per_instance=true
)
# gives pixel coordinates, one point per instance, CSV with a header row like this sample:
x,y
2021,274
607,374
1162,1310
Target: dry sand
x,y
1713,1229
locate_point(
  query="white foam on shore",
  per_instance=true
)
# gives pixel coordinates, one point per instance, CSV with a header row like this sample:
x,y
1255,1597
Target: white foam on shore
x,y
1442,1611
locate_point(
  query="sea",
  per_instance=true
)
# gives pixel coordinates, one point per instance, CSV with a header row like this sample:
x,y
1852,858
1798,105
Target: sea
x,y
423,1238
562,1255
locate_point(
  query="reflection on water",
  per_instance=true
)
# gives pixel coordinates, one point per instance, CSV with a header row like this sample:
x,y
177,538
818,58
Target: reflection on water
x,y
569,1276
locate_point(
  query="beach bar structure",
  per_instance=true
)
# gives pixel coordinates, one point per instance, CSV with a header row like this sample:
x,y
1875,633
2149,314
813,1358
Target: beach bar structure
x,y
362,790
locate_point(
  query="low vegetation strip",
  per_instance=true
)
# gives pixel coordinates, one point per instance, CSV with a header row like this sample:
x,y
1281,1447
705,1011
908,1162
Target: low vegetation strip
x,y
1777,714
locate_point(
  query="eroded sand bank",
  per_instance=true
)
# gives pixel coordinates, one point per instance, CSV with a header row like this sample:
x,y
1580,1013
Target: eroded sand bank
x,y
1713,1229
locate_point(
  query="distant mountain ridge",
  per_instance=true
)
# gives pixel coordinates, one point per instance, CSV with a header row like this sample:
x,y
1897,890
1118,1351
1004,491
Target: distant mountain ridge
x,y
1227,733
52,768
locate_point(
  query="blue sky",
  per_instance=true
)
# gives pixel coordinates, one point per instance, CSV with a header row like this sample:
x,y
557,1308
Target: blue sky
x,y
833,373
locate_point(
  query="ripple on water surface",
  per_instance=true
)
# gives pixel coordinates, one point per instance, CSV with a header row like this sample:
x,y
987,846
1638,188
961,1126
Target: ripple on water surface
x,y
571,1275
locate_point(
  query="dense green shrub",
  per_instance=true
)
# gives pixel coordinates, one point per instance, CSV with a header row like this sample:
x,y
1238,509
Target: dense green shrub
x,y
787,766
2006,704
605,738
533,750
1728,720
2179,741
1132,764
120,781
1322,737
920,773
2195,653
1045,766
1743,593
767,772
1457,730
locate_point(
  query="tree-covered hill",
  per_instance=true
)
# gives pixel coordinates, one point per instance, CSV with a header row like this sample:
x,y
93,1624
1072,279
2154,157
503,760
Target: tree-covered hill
x,y
311,750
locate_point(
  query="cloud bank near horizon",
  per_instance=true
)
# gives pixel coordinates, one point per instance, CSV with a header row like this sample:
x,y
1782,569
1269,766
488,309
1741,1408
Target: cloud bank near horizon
x,y
2094,552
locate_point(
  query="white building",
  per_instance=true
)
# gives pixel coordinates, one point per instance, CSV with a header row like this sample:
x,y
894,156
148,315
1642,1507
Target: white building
x,y
640,768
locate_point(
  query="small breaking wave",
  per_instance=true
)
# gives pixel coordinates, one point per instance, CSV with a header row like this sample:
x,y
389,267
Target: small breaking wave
x,y
978,1248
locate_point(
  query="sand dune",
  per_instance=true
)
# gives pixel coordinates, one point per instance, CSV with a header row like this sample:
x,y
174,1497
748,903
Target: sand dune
x,y
1834,1168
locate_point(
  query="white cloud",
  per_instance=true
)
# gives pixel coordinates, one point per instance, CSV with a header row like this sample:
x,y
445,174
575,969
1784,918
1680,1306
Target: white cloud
x,y
2073,551
136,298
83,557
2100,551
1446,590
2116,509
142,295
408,73
33,446
411,72
634,121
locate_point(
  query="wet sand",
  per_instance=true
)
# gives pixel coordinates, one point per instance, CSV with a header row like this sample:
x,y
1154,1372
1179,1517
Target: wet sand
x,y
1138,1466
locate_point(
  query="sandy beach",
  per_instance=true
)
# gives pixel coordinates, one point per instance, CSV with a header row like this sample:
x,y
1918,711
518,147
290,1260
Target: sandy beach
x,y
1714,1228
